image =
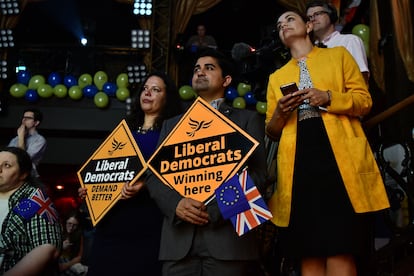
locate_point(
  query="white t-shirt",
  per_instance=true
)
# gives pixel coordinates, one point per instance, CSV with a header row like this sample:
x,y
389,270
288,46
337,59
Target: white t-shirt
x,y
4,210
353,44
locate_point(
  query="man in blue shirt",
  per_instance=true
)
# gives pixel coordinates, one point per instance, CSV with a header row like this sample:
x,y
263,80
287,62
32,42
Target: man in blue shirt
x,y
29,139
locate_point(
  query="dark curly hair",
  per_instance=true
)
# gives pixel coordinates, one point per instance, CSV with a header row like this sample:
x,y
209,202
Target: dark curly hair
x,y
23,159
173,105
37,114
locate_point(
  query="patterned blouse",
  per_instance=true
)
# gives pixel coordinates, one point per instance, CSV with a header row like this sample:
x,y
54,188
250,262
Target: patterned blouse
x,y
32,221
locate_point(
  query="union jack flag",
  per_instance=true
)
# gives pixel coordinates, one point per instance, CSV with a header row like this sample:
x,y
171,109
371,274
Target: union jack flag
x,y
258,212
46,207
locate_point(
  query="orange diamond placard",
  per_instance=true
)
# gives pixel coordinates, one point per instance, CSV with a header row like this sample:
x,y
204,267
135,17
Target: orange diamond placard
x,y
115,162
201,152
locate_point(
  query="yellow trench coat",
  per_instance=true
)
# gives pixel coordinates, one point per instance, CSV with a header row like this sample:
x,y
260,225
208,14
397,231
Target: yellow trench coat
x,y
331,69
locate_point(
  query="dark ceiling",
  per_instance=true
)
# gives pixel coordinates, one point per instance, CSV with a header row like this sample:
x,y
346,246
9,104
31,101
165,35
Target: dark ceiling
x,y
109,22
62,22
48,32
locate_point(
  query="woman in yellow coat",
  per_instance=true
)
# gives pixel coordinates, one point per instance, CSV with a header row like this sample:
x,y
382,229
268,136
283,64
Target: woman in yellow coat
x,y
328,182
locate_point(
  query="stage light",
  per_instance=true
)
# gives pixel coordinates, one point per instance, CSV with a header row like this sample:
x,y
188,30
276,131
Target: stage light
x,y
136,73
6,38
9,7
140,39
20,68
142,7
84,41
3,69
60,187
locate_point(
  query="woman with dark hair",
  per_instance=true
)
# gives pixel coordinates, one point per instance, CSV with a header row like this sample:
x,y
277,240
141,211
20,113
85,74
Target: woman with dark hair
x,y
127,238
30,237
157,101
72,247
328,182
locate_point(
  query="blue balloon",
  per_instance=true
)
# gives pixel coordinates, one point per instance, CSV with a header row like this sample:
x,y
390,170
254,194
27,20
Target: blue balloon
x,y
90,91
70,81
250,99
231,93
31,96
109,88
54,79
23,77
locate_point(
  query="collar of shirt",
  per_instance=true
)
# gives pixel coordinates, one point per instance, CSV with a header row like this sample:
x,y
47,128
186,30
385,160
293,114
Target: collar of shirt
x,y
329,37
217,102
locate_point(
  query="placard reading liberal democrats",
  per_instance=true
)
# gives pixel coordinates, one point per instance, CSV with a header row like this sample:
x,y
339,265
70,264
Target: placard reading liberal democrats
x,y
201,152
115,162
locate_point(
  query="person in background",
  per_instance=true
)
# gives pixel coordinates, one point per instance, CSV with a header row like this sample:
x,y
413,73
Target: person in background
x,y
29,139
195,238
126,240
328,182
31,235
324,16
72,247
201,40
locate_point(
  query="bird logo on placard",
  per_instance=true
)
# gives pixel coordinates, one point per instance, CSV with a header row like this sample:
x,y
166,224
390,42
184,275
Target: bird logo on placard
x,y
197,125
116,146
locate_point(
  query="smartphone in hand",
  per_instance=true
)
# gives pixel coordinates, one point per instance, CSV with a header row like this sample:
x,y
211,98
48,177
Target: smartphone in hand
x,y
289,88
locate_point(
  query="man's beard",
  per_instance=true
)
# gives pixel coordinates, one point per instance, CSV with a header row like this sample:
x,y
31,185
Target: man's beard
x,y
201,85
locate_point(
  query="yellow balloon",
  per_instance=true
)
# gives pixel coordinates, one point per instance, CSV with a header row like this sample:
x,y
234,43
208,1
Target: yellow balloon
x,y
99,79
75,92
18,90
362,31
243,88
101,100
45,90
186,92
60,91
122,80
261,107
84,80
239,102
122,93
36,81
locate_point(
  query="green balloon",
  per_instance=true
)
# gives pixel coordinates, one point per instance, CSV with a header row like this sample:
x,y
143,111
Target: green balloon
x,y
84,80
60,91
99,79
239,102
187,92
101,100
75,92
122,93
18,90
36,81
261,107
122,80
243,88
45,90
362,31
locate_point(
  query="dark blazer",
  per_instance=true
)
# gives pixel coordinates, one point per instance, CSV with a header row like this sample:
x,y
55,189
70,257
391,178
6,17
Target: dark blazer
x,y
219,235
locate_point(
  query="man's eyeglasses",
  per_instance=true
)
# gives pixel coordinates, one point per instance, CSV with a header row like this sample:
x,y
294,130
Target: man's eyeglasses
x,y
316,14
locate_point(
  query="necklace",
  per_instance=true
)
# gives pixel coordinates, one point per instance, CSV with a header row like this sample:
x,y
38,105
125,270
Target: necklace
x,y
142,130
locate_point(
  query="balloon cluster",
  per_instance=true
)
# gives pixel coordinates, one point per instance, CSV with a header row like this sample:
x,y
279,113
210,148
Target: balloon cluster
x,y
98,87
241,97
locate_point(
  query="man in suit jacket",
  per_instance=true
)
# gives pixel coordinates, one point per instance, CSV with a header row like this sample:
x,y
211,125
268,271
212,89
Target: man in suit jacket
x,y
195,238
